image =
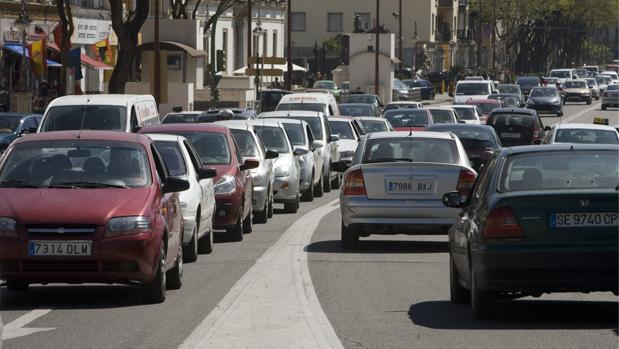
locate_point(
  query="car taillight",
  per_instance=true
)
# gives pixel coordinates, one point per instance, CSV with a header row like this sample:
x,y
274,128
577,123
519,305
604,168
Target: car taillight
x,y
502,224
353,183
466,180
537,137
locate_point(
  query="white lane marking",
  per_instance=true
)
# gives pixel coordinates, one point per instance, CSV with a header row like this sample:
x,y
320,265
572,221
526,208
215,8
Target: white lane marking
x,y
16,327
274,305
579,114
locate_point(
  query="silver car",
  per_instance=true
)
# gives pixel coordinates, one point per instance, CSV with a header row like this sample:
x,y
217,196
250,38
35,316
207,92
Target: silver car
x,y
286,168
610,97
347,131
593,86
251,147
396,183
370,124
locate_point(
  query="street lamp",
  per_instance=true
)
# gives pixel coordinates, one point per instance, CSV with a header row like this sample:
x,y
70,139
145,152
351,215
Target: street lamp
x,y
22,23
257,33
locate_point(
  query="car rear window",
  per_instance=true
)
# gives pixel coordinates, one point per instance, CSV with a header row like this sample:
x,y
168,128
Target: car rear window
x,y
465,113
180,118
471,89
374,125
85,117
411,149
575,84
343,129
440,116
356,110
505,120
172,157
407,118
295,133
586,136
273,138
565,170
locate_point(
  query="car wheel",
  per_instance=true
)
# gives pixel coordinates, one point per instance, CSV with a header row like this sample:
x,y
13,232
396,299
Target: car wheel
x,y
205,245
483,302
326,182
270,214
175,275
457,293
603,107
308,194
350,239
16,286
564,102
589,101
319,189
335,183
262,216
560,114
154,291
236,232
292,207
597,98
247,223
190,252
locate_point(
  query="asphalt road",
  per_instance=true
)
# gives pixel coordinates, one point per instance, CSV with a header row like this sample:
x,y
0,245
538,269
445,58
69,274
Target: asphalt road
x,y
391,293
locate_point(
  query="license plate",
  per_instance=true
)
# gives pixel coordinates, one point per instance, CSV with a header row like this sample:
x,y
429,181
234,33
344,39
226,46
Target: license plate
x,y
410,186
510,135
59,248
583,219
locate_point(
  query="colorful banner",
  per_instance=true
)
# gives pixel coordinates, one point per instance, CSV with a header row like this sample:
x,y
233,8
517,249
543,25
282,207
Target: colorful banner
x,y
74,61
103,51
38,59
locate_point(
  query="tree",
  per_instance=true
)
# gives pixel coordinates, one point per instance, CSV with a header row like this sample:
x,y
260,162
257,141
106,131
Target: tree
x,y
126,30
66,30
178,9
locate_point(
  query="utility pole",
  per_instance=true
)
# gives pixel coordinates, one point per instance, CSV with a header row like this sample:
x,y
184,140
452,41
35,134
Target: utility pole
x,y
249,32
377,48
479,37
493,34
400,40
289,51
157,60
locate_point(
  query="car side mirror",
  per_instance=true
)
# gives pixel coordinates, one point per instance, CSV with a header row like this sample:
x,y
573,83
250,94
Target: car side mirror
x,y
317,145
249,164
271,154
334,138
461,122
25,131
300,152
547,128
206,173
451,94
175,184
453,199
339,166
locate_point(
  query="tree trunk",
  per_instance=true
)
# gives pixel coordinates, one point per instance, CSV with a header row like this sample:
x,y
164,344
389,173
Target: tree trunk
x,y
195,9
211,67
66,27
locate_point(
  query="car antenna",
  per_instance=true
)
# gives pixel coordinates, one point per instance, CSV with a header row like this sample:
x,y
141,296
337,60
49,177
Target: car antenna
x,y
572,147
83,118
410,130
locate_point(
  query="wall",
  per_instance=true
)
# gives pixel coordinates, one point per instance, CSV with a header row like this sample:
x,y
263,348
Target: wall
x,y
362,62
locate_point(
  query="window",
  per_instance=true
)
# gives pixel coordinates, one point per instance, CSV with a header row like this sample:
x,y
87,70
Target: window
x,y
274,44
334,22
365,19
173,61
433,24
81,35
297,21
93,27
265,48
91,36
80,27
224,41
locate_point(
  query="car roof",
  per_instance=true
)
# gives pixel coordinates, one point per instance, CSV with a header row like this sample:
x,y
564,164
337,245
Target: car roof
x,y
165,137
475,82
355,104
339,119
439,107
514,85
195,127
585,126
462,106
523,111
264,122
306,97
579,80
557,146
369,118
105,99
403,103
285,121
235,124
183,112
291,113
482,101
85,135
459,126
415,134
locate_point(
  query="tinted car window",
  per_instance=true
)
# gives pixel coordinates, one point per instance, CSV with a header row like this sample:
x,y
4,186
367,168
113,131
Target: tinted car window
x,y
85,117
575,84
504,120
465,113
9,123
359,99
612,88
211,147
410,149
246,143
407,118
473,89
527,81
440,116
544,92
508,89
273,138
343,129
356,110
486,108
586,136
295,133
180,118
374,126
562,74
172,157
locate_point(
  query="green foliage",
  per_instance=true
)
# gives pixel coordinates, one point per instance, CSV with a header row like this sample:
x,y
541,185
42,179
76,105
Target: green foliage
x,y
333,45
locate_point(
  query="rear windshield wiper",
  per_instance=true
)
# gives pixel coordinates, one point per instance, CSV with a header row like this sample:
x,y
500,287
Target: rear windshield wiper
x,y
86,184
389,160
16,183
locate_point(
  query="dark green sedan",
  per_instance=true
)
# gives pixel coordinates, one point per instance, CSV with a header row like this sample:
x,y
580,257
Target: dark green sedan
x,y
541,219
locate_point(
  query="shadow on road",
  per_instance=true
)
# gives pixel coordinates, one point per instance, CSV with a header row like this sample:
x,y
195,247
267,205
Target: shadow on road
x,y
379,246
518,315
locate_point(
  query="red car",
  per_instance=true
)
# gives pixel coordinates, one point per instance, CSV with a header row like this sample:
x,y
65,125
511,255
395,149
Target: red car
x,y
89,206
485,105
233,184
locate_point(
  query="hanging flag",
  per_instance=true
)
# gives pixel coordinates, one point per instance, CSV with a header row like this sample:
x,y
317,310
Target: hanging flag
x,y
74,61
38,58
57,32
103,51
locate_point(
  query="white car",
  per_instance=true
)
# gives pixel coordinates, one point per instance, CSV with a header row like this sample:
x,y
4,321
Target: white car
x,y
472,89
470,114
582,133
198,202
349,137
613,75
403,105
370,124
396,182
443,115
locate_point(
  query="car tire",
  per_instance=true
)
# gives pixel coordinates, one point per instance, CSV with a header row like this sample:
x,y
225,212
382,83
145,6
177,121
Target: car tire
x,y
247,223
603,107
308,194
483,302
457,293
335,183
270,214
155,291
326,182
175,275
190,252
588,101
350,239
564,102
16,286
319,189
236,232
205,244
263,216
292,207
597,98
559,114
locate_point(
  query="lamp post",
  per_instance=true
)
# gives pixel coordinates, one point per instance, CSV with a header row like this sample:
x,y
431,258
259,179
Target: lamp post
x,y
22,23
257,33
289,51
377,48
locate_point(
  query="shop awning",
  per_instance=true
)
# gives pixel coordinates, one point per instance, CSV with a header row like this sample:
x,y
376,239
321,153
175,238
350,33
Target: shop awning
x,y
18,48
173,46
86,60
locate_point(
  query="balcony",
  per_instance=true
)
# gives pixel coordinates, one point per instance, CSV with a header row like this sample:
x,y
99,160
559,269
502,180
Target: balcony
x,y
445,3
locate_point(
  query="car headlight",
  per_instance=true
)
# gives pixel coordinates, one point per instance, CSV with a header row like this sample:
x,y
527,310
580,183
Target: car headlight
x,y
8,227
225,185
346,154
556,101
257,178
127,226
282,171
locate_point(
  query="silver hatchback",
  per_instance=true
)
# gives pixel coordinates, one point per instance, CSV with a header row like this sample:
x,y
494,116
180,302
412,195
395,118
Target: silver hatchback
x,y
396,182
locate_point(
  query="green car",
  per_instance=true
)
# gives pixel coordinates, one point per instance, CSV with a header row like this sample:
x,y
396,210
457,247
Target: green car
x,y
541,219
13,125
329,85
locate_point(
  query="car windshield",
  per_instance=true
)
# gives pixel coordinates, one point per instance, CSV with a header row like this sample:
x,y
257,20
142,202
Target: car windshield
x,y
85,117
592,82
329,85
561,74
212,147
612,88
295,133
465,113
359,99
374,125
441,116
586,136
392,106
575,84
172,156
180,118
399,84
246,143
601,79
355,110
470,89
343,129
509,89
486,108
565,170
9,123
527,81
301,106
407,118
273,138
544,92
410,149
76,164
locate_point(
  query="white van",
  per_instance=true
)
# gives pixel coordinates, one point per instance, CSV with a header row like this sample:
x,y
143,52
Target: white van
x,y
472,89
563,75
319,102
126,113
